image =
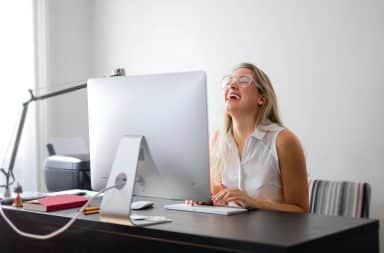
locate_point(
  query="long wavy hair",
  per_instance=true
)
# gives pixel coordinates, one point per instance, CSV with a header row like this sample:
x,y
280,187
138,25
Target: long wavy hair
x,y
268,113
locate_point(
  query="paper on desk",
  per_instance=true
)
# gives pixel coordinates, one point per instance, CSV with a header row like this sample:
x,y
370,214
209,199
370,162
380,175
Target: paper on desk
x,y
89,194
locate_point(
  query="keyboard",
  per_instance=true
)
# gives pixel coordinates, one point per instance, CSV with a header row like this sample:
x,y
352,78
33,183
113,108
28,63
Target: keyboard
x,y
222,210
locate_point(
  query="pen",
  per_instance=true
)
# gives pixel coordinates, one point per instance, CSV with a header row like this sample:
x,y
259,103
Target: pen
x,y
91,210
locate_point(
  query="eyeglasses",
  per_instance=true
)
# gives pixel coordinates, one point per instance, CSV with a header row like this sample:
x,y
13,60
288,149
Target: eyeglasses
x,y
243,81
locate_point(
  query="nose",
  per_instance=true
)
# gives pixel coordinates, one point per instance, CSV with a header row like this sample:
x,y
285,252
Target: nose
x,y
234,84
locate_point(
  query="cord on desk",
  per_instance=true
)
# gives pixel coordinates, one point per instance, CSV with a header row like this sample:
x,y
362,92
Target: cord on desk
x,y
59,231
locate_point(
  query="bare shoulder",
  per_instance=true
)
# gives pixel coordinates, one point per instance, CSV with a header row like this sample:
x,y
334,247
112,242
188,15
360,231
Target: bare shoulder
x,y
287,140
291,155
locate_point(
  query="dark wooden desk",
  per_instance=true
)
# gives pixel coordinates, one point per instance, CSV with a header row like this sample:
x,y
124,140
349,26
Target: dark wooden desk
x,y
255,231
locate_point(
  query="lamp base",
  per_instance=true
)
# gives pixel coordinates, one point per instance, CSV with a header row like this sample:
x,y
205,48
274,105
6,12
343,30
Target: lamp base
x,y
7,192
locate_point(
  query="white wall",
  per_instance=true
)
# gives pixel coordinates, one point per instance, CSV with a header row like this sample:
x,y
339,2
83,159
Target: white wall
x,y
68,64
63,33
325,59
17,76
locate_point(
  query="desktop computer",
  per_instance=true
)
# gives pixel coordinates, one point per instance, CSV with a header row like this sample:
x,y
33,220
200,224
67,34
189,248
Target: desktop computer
x,y
170,112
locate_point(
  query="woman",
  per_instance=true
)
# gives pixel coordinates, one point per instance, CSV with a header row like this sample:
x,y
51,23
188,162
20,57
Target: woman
x,y
255,161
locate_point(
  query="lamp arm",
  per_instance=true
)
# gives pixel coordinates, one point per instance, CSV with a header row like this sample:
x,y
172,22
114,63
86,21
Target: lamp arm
x,y
9,174
57,93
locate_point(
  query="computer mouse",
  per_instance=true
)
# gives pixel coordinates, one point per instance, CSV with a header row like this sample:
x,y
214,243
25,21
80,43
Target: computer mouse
x,y
139,205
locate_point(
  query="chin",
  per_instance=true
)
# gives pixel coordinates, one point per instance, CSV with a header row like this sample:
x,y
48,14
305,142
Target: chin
x,y
231,109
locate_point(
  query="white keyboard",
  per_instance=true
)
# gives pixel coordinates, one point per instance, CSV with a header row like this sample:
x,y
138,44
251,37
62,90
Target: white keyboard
x,y
223,210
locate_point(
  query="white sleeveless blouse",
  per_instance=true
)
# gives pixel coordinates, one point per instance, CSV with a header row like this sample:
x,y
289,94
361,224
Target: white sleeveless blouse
x,y
257,172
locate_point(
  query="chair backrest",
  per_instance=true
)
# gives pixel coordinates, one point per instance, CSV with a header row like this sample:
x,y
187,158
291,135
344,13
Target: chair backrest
x,y
339,198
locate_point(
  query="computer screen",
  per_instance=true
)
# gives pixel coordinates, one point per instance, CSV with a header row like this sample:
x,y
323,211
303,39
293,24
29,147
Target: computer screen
x,y
170,111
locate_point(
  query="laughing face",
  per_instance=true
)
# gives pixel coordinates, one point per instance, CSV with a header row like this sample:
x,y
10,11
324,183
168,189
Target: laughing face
x,y
242,95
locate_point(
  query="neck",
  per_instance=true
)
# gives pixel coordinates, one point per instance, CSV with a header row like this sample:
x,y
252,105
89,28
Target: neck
x,y
243,127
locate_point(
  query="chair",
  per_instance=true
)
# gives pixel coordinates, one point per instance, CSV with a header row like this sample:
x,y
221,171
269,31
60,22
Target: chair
x,y
339,198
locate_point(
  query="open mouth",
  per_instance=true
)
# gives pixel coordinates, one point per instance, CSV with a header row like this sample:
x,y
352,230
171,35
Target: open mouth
x,y
234,96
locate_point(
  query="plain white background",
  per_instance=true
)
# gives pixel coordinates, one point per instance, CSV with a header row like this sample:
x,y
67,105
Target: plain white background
x,y
17,76
325,59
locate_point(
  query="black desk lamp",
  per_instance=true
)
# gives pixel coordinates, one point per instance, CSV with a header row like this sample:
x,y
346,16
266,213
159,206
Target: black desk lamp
x,y
9,173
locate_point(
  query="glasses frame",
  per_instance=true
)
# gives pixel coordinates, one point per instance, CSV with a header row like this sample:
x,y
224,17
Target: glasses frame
x,y
226,85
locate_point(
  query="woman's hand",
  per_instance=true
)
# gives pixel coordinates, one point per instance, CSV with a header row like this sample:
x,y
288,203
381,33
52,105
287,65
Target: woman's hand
x,y
195,203
237,196
226,195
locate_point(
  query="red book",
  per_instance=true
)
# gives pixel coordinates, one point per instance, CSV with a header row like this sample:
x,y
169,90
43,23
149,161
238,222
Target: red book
x,y
54,203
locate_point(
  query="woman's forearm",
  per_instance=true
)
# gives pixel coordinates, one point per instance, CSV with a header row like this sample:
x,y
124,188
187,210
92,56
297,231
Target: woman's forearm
x,y
268,205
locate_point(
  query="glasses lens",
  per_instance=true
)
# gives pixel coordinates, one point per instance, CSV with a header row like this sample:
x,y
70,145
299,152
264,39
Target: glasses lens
x,y
245,80
226,81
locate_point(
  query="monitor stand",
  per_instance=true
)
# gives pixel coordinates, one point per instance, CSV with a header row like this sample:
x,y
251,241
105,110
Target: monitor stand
x,y
132,154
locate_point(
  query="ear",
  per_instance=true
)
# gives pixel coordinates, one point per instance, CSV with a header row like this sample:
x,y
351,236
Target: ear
x,y
261,101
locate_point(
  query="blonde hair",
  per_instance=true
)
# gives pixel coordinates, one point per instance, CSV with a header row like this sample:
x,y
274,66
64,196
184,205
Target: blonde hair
x,y
268,113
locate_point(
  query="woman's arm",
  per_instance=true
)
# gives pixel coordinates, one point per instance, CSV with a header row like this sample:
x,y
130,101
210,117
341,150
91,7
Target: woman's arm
x,y
293,171
212,149
243,200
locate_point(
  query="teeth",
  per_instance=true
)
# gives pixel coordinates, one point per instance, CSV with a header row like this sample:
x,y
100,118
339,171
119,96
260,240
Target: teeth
x,y
234,96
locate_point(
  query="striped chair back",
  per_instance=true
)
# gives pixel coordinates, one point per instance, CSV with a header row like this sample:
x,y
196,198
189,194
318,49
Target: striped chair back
x,y
339,198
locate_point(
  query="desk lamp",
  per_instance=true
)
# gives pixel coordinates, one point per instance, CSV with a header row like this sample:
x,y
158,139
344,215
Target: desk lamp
x,y
9,176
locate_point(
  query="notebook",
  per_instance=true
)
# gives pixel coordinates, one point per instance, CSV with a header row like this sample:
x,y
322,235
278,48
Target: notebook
x,y
222,210
54,203
144,220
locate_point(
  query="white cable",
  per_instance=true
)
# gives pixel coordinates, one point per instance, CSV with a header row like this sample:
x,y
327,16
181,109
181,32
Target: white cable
x,y
59,231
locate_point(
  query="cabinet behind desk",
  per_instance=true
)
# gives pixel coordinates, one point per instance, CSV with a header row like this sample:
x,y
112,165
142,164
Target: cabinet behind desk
x,y
255,231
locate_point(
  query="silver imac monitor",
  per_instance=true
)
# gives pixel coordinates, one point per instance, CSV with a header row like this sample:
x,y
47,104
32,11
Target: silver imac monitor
x,y
170,111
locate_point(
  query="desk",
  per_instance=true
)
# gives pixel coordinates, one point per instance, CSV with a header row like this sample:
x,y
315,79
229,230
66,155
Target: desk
x,y
255,231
